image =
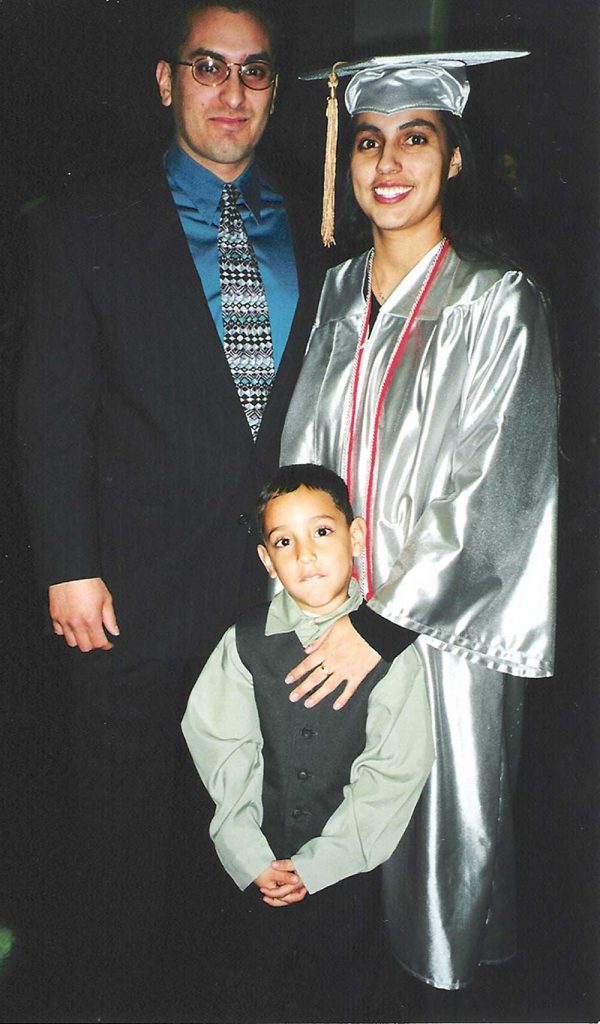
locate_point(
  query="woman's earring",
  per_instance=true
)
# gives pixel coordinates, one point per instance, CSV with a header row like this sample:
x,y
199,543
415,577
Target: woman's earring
x,y
455,164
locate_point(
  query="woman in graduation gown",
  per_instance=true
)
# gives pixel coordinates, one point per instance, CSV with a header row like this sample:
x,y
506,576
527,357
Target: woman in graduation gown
x,y
428,385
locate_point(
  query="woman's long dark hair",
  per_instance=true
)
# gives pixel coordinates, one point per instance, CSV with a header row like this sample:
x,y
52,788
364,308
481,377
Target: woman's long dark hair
x,y
465,220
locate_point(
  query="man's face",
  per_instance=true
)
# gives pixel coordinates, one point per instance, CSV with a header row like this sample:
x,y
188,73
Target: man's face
x,y
219,126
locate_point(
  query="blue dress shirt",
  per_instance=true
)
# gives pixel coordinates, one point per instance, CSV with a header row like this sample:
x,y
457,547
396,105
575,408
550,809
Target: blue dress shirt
x,y
197,193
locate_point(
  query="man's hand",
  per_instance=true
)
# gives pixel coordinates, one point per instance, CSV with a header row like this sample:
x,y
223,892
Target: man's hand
x,y
81,611
340,655
280,884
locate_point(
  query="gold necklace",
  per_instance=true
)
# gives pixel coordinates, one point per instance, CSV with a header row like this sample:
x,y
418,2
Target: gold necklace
x,y
381,295
378,290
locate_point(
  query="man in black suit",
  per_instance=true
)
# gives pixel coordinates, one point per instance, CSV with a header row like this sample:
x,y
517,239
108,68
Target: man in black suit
x,y
140,469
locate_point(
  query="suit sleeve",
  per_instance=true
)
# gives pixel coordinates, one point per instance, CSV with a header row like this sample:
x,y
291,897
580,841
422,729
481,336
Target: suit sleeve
x,y
59,387
222,730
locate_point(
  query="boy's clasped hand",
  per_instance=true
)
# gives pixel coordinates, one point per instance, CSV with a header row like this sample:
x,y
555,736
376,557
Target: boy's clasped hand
x,y
280,884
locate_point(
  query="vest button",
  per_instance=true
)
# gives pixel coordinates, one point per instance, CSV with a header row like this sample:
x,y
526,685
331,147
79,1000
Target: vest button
x,y
307,733
298,812
303,774
243,519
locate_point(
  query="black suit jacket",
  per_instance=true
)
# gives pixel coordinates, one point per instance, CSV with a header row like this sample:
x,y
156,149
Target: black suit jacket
x,y
138,463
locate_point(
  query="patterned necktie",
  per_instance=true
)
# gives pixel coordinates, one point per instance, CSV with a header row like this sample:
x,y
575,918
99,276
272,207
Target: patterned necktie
x,y
247,328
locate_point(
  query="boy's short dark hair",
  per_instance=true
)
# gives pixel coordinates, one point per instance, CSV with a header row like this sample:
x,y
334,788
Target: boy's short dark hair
x,y
304,474
174,22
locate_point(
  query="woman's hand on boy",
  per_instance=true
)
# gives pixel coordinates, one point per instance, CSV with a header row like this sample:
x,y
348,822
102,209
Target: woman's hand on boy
x,y
281,884
340,655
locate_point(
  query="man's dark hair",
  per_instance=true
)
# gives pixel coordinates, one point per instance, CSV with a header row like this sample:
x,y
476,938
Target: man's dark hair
x,y
304,474
175,22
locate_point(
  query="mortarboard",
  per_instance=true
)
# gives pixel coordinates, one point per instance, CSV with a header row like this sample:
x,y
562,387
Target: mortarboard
x,y
423,81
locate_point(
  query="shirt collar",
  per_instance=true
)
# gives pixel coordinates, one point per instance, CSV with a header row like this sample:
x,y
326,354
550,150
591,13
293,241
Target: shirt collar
x,y
204,188
284,615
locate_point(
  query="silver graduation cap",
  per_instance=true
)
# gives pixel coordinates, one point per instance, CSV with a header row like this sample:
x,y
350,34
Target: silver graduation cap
x,y
386,85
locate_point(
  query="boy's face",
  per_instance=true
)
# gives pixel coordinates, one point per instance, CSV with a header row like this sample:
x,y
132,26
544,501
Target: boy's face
x,y
310,547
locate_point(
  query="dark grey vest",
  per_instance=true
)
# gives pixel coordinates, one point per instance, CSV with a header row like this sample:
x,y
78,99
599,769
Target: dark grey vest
x,y
307,752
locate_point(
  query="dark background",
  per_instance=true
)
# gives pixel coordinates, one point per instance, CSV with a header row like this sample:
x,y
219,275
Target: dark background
x,y
78,96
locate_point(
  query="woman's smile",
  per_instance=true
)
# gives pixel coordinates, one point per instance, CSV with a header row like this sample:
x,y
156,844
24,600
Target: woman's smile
x,y
400,163
391,193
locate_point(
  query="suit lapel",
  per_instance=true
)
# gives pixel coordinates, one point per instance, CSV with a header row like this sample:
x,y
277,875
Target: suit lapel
x,y
148,223
169,272
310,267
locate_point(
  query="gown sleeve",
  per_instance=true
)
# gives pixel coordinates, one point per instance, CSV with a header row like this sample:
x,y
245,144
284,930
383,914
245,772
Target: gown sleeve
x,y
384,636
476,573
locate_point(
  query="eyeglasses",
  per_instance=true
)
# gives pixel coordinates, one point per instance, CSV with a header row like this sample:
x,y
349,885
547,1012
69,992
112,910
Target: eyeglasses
x,y
211,71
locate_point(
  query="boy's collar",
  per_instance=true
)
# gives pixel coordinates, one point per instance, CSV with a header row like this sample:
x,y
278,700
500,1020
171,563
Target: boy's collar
x,y
285,615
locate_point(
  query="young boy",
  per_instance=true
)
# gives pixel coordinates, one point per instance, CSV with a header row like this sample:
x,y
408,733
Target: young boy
x,y
307,797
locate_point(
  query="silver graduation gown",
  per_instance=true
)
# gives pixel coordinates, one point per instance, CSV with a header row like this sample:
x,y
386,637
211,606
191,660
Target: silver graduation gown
x,y
462,539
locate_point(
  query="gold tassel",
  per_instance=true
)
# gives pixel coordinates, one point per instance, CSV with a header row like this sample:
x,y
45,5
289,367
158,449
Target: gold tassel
x,y
328,218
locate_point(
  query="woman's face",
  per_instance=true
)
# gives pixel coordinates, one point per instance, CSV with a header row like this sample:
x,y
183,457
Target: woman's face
x,y
399,165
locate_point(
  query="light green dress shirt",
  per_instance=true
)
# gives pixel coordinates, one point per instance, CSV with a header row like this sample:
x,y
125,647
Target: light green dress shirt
x,y
222,730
